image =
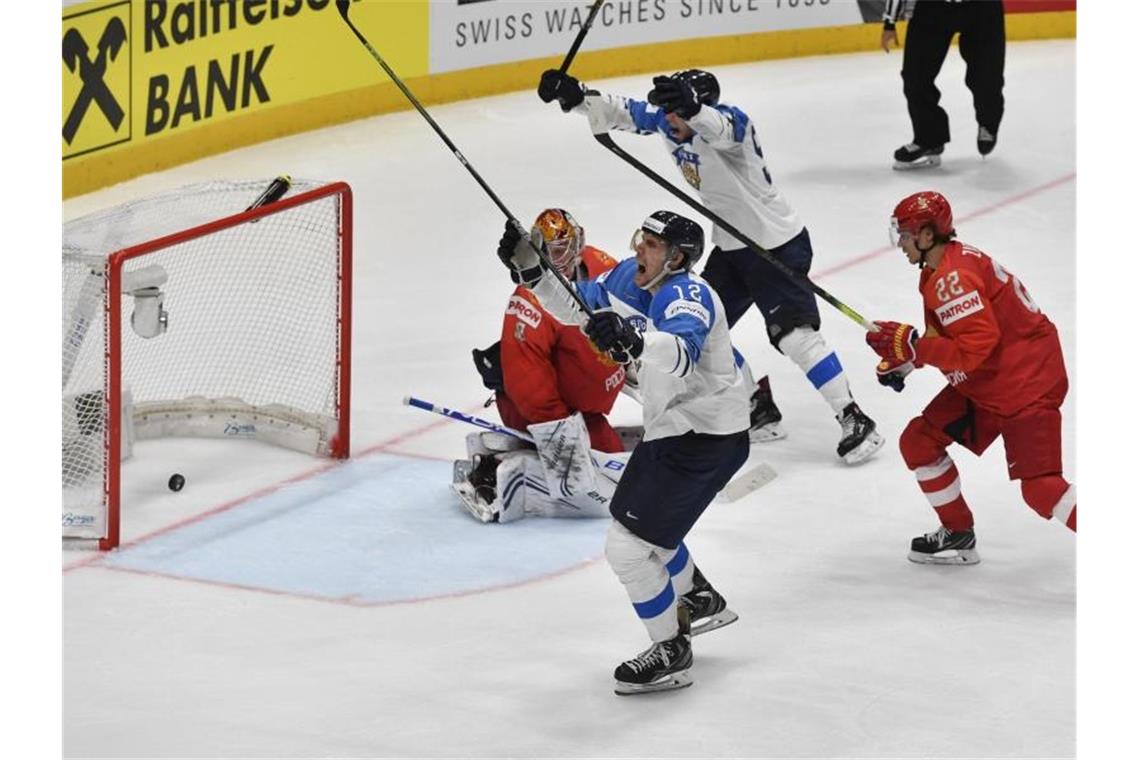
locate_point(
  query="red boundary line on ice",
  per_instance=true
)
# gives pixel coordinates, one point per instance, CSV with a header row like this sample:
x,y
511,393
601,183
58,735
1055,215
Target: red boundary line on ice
x,y
386,447
378,448
352,601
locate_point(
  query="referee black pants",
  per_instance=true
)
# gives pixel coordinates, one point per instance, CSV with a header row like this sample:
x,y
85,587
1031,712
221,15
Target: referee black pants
x,y
980,25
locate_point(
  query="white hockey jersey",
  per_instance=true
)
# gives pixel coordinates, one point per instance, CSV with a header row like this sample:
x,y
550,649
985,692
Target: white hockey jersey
x,y
723,162
688,372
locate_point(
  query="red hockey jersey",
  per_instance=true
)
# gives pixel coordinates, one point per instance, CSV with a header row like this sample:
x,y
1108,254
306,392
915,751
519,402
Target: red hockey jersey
x,y
550,369
985,333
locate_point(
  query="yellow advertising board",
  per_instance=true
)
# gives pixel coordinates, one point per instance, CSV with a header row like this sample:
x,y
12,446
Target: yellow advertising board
x,y
147,82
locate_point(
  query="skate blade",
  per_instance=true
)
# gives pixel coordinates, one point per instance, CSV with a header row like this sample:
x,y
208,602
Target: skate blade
x,y
678,680
460,470
712,622
758,477
948,557
773,431
919,163
866,449
480,511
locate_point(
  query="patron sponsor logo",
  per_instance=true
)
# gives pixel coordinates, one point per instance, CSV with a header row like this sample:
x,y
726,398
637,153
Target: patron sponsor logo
x,y
524,310
960,307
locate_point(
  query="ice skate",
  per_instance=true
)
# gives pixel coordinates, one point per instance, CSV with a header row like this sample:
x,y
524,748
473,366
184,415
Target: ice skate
x,y
707,609
474,482
860,440
765,416
915,156
945,547
987,140
662,667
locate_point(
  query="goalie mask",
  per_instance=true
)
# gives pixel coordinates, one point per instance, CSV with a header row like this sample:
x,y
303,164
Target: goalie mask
x,y
564,238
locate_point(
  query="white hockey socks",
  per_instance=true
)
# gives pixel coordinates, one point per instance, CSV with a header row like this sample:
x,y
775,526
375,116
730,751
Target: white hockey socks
x,y
807,348
646,572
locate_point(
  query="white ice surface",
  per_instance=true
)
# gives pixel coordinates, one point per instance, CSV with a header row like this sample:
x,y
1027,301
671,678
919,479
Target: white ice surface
x,y
843,647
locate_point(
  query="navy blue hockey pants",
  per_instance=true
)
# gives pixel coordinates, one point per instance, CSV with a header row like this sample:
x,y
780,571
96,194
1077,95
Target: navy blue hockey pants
x,y
742,278
668,483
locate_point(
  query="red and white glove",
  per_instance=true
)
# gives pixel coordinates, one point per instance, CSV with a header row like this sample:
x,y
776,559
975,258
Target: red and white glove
x,y
895,342
893,373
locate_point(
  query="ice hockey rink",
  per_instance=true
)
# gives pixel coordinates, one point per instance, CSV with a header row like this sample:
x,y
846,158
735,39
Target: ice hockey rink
x,y
281,606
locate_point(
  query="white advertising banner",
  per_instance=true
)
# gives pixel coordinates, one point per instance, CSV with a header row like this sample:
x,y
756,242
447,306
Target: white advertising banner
x,y
469,33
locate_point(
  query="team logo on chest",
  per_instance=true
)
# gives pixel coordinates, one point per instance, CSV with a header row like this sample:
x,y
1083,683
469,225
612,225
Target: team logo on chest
x,y
689,164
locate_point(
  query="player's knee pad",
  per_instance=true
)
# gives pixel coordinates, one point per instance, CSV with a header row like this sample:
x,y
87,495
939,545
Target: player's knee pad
x,y
919,444
629,556
1049,496
806,347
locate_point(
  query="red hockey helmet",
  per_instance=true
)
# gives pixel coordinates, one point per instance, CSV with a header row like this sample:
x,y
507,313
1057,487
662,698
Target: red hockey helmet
x,y
919,210
564,238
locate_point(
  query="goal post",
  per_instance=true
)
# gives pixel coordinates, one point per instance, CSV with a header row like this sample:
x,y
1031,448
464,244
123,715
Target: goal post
x,y
185,316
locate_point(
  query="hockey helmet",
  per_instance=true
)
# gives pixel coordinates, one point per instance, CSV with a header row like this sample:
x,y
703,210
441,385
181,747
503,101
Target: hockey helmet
x,y
703,83
564,238
683,235
919,210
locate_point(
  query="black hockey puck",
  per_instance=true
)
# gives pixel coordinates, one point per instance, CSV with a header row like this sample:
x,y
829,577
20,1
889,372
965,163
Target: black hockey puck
x,y
176,482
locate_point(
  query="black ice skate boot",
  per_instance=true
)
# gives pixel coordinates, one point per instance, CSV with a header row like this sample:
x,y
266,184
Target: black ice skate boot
x,y
859,440
915,156
987,140
707,609
945,547
764,420
662,667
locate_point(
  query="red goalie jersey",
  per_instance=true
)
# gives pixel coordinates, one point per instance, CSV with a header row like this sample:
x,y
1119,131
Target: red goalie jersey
x,y
985,333
551,370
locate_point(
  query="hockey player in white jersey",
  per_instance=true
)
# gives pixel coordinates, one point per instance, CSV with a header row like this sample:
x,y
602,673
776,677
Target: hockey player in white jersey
x,y
717,151
650,311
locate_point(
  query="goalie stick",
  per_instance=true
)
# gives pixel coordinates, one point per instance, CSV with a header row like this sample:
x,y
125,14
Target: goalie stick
x,y
342,6
739,487
802,280
90,298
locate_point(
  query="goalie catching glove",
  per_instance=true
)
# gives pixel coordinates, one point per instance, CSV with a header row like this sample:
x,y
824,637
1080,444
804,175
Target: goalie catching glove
x,y
517,251
617,337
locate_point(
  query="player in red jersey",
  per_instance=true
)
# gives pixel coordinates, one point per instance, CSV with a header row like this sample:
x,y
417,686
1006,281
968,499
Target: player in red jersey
x,y
554,384
550,368
1002,358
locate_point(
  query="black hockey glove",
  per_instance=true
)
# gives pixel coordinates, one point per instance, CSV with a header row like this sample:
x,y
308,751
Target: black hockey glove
x,y
567,89
674,96
614,335
517,254
489,364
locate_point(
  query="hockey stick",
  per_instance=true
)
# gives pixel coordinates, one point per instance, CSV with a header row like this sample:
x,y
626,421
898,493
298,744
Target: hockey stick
x,y
443,411
581,36
758,477
800,279
273,192
342,6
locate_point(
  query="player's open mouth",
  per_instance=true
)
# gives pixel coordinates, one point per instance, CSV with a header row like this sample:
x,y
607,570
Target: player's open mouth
x,y
641,269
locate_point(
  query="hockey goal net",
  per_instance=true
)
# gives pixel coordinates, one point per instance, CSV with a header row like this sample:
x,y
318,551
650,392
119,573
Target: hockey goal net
x,y
185,316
